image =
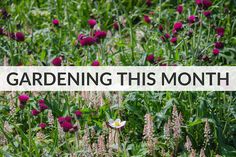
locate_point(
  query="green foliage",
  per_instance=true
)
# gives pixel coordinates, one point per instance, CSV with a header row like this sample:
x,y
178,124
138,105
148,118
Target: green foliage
x,y
128,46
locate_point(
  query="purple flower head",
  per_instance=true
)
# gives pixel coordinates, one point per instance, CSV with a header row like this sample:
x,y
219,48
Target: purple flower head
x,y
147,19
220,31
95,63
19,36
219,45
42,125
55,22
61,119
116,25
198,2
150,58
178,26
23,98
66,126
57,61
35,112
207,14
204,3
173,40
68,119
100,34
43,107
191,19
92,22
41,101
180,9
167,36
215,51
148,3
78,114
160,28
87,41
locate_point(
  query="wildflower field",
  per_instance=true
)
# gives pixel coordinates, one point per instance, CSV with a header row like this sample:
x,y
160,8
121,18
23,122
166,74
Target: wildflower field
x,y
117,33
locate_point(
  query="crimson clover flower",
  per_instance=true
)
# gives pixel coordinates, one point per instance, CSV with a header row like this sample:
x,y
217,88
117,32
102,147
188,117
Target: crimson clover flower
x,y
180,9
147,19
191,19
219,45
19,36
23,98
95,63
87,41
116,25
42,125
148,3
160,28
57,61
167,36
68,118
42,106
220,31
92,22
204,3
173,40
41,101
35,112
178,26
207,14
66,126
215,51
100,34
55,22
61,120
78,114
150,58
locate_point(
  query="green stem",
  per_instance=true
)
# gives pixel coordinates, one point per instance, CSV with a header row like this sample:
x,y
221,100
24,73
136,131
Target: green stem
x,y
29,122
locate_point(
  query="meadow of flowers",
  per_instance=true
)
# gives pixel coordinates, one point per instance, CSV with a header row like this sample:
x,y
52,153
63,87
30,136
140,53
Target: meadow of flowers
x,y
112,33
